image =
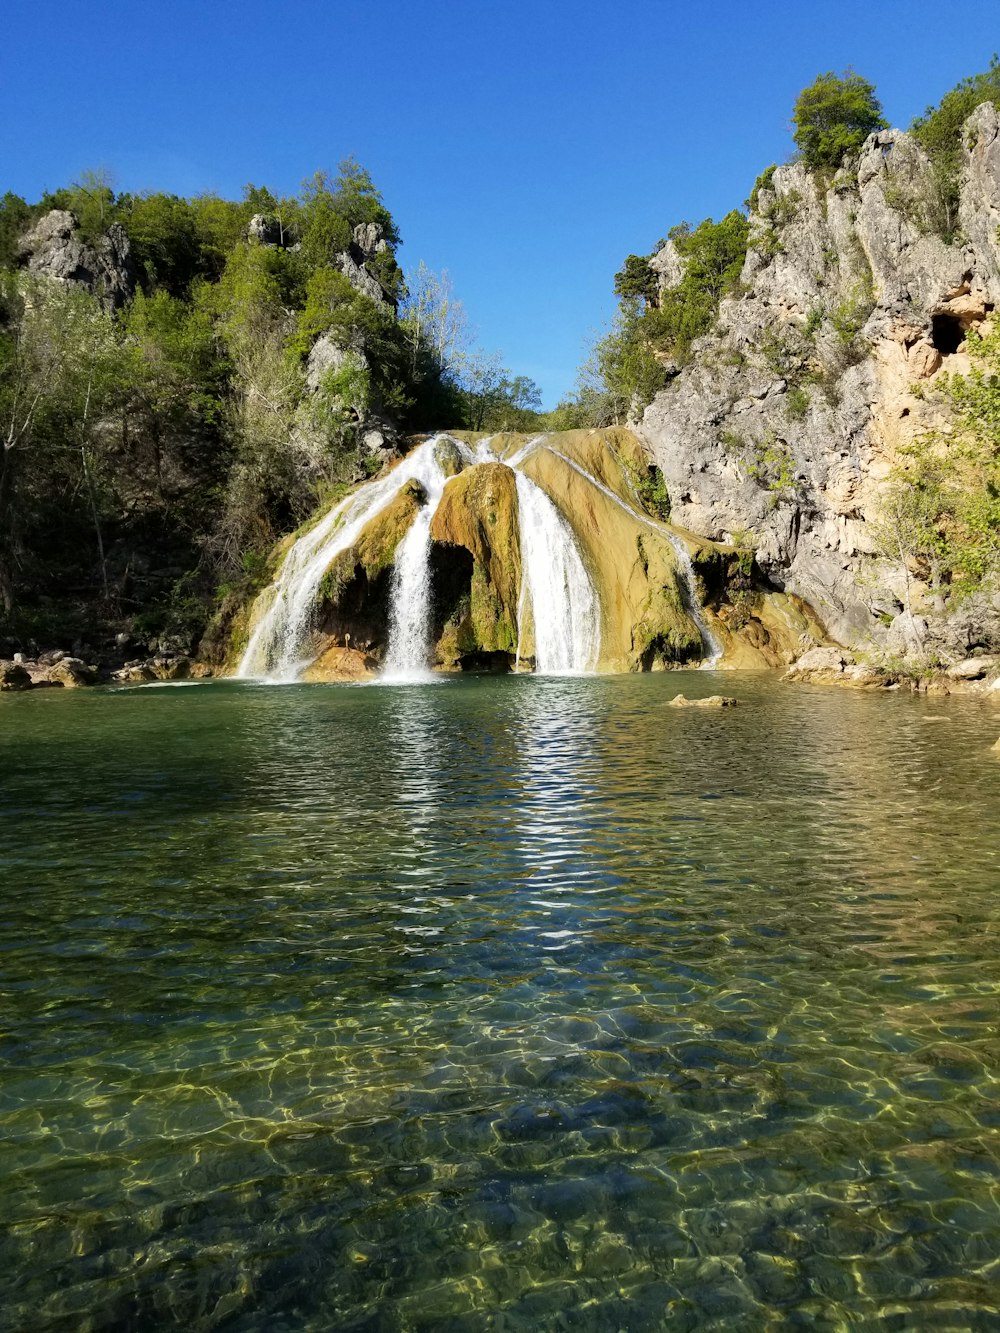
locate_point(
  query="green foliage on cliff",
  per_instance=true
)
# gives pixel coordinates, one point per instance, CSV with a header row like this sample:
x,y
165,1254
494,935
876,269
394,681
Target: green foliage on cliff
x,y
941,512
939,133
628,366
712,254
154,452
834,116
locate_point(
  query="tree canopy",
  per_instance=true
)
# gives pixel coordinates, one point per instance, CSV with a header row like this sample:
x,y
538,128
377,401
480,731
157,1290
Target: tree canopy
x,y
834,116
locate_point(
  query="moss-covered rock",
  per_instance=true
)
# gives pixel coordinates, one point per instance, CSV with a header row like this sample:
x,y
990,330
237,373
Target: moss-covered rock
x,y
449,457
478,513
375,549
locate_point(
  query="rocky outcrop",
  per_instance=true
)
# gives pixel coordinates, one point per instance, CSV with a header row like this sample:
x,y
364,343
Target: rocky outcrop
x,y
478,598
781,430
54,249
13,676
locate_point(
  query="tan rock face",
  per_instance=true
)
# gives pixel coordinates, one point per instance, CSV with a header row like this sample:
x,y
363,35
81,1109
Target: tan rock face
x,y
478,514
338,663
644,621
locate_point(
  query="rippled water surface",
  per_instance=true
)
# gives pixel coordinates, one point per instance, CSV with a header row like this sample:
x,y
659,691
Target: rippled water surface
x,y
498,1004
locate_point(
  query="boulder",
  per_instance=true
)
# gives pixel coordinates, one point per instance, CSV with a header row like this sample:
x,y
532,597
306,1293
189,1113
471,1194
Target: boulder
x,y
972,668
13,676
72,673
713,701
53,248
449,457
264,230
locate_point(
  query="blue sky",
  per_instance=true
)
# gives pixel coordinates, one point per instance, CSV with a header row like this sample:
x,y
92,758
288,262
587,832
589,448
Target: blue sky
x,y
525,147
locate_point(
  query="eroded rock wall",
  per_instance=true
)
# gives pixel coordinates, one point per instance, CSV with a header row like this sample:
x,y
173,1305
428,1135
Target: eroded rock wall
x,y
782,429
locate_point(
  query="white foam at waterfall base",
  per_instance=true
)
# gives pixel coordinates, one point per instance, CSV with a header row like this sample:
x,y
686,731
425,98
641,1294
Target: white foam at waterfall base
x,y
279,646
565,609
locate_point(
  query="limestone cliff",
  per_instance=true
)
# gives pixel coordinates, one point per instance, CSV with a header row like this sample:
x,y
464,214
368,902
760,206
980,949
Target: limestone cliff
x,y
782,428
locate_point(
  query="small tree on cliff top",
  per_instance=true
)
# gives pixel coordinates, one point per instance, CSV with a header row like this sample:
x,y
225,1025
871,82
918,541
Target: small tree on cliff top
x,y
834,116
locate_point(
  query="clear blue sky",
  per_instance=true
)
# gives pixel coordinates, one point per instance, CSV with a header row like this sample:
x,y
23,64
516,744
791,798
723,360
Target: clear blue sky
x,y
525,145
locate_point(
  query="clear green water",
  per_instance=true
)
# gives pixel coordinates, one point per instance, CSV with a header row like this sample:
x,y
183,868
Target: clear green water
x,y
498,1004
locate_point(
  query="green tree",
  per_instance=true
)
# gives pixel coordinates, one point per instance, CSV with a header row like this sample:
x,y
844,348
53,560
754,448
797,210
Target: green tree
x,y
15,218
713,254
834,116
939,133
60,369
161,228
636,278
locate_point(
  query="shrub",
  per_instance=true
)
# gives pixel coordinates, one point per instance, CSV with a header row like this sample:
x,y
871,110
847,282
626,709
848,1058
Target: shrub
x,y
834,116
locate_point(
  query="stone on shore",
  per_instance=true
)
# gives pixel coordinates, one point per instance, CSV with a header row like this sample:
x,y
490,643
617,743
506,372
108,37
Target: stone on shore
x,y
72,673
13,676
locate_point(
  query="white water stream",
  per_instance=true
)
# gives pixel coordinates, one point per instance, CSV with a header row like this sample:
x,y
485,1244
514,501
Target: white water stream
x,y
708,639
565,611
279,646
564,607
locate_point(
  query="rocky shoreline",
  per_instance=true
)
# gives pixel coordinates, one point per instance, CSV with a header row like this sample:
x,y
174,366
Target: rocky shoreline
x,y
977,675
61,670
973,676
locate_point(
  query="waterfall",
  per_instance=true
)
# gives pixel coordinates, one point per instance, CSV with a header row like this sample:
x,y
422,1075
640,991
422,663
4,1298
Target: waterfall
x,y
279,646
564,605
711,644
564,612
408,648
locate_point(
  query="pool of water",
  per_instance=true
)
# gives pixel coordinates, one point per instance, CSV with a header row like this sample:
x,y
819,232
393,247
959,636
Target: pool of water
x,y
499,1004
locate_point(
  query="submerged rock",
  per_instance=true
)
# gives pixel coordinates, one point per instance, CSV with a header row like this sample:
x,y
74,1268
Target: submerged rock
x,y
713,701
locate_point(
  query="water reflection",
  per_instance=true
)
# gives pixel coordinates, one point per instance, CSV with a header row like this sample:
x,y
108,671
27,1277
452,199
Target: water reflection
x,y
501,1003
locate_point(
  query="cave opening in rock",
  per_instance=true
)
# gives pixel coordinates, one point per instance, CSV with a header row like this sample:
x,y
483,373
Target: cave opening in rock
x,y
947,333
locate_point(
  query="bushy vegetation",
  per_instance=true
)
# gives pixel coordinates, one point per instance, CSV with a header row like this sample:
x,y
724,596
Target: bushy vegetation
x,y
833,117
941,512
939,133
154,448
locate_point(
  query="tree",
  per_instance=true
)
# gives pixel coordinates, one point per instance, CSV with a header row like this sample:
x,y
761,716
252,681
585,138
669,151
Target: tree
x,y
636,278
939,133
60,368
834,116
15,217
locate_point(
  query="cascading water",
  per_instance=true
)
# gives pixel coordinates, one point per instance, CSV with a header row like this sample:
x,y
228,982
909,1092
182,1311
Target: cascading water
x,y
710,642
565,612
564,605
278,647
408,651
